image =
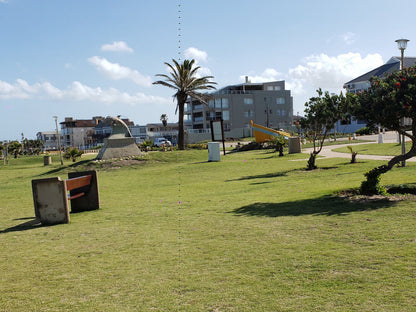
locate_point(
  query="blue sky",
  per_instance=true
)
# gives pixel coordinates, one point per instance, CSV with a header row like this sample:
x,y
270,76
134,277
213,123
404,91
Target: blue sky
x,y
85,58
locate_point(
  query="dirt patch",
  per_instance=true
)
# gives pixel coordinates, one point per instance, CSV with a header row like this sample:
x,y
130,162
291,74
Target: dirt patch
x,y
356,197
115,163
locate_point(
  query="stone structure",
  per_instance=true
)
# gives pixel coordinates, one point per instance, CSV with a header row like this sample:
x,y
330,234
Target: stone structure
x,y
120,143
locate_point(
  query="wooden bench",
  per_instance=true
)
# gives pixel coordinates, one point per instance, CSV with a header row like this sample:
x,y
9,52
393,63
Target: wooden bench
x,y
50,196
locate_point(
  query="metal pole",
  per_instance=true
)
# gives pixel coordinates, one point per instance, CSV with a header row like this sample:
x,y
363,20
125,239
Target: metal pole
x,y
59,140
403,136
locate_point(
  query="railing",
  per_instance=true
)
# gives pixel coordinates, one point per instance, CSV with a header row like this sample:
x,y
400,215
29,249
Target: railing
x,y
198,130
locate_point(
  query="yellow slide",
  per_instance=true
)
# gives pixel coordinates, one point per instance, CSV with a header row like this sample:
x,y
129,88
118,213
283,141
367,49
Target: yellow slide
x,y
264,134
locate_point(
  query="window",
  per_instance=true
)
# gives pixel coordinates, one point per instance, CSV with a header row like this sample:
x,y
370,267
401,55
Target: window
x,y
249,113
224,103
270,88
248,101
280,100
217,103
277,88
226,115
211,103
281,112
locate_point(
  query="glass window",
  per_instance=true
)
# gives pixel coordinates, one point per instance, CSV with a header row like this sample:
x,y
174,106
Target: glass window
x,y
217,103
270,88
248,101
224,103
226,115
211,103
280,100
277,88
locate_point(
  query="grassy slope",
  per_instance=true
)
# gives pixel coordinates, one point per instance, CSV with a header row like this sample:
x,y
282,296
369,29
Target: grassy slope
x,y
253,232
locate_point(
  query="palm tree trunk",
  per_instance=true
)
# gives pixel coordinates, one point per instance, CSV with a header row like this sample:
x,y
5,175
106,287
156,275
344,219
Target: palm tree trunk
x,y
181,131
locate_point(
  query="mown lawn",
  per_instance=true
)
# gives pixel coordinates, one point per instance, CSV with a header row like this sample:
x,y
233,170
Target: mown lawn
x,y
254,232
388,149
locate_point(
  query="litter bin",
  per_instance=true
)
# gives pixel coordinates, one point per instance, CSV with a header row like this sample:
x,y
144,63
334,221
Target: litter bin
x,y
214,151
47,160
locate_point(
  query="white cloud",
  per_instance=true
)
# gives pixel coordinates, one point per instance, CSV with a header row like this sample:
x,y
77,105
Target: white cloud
x,y
326,72
349,37
116,71
196,54
75,92
117,46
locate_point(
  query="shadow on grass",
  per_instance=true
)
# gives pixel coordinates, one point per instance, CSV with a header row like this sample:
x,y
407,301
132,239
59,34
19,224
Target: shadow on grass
x,y
263,176
326,205
63,168
33,223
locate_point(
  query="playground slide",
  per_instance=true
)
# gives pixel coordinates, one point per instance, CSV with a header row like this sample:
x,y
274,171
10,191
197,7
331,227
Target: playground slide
x,y
263,134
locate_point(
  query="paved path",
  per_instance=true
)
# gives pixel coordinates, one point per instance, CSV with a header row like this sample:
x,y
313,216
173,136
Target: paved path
x,y
388,137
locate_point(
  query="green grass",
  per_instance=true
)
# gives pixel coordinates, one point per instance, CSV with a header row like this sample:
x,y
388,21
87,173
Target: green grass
x,y
338,142
254,232
388,149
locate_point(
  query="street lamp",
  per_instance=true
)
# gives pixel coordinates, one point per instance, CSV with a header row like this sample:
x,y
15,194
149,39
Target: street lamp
x,y
401,45
59,140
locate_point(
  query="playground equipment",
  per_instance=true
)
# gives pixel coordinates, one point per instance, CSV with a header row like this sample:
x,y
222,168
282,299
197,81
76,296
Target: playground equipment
x,y
264,134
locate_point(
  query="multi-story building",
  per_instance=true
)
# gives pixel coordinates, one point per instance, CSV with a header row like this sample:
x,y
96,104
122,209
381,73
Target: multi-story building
x,y
49,139
267,104
362,83
102,131
79,132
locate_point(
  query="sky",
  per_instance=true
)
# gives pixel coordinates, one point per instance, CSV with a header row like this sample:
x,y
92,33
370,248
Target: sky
x,y
85,58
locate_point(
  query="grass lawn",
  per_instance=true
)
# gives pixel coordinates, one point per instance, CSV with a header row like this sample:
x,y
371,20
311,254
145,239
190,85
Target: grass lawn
x,y
254,232
388,149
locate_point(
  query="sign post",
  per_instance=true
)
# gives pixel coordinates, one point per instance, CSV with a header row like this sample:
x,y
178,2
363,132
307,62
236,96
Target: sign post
x,y
217,132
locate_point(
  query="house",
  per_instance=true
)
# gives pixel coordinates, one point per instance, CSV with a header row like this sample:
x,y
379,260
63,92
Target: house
x,y
79,132
102,131
268,104
49,139
362,83
158,130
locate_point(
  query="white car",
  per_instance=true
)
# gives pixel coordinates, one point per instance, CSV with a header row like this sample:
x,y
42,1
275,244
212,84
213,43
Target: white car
x,y
161,141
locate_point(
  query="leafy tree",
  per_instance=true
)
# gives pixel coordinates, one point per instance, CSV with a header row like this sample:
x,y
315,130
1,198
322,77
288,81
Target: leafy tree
x,y
321,114
73,153
387,102
14,148
183,78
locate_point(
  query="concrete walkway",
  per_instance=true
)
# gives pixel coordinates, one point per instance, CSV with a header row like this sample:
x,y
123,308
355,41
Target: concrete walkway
x,y
388,137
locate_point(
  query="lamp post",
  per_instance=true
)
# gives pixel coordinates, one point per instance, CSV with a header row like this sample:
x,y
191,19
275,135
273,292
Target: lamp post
x,y
59,140
401,45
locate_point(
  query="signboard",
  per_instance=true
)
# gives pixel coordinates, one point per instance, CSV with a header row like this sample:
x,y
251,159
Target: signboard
x,y
217,132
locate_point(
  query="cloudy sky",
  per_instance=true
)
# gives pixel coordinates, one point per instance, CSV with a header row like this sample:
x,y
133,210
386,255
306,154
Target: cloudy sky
x,y
99,57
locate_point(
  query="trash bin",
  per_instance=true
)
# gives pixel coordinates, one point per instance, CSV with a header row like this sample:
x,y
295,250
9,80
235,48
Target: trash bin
x,y
47,160
214,151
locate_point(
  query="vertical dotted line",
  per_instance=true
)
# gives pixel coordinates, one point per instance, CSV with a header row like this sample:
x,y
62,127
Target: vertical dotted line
x,y
178,158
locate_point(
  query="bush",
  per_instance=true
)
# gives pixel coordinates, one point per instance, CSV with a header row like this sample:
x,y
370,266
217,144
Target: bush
x,y
366,130
73,153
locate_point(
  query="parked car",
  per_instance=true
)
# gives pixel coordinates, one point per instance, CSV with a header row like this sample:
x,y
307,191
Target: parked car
x,y
161,141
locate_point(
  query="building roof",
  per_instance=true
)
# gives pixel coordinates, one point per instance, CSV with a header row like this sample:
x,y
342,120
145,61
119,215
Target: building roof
x,y
391,66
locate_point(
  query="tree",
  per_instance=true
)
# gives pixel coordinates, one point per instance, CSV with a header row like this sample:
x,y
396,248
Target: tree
x,y
387,102
183,78
73,153
321,114
164,119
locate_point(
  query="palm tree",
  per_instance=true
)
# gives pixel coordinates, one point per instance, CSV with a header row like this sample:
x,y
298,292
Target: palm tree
x,y
184,80
164,120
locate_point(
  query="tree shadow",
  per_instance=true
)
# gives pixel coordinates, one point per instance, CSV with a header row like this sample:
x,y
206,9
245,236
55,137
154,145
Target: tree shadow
x,y
64,168
326,205
263,176
33,223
